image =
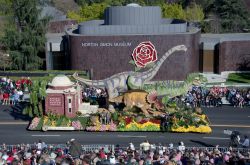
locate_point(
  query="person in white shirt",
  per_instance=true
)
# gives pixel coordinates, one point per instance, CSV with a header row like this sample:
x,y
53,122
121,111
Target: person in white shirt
x,y
39,145
20,93
181,147
112,159
245,144
131,146
145,146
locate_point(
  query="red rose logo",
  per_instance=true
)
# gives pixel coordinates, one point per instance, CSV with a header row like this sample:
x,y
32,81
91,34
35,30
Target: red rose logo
x,y
144,54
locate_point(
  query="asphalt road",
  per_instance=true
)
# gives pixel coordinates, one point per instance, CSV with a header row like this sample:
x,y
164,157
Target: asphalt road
x,y
13,131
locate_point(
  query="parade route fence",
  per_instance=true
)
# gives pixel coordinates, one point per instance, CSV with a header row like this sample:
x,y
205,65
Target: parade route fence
x,y
92,147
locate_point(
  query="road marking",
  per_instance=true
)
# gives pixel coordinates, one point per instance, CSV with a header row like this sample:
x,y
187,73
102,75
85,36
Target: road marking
x,y
129,136
45,135
218,138
14,123
237,126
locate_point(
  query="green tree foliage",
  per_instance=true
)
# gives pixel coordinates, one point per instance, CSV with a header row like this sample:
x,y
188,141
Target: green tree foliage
x,y
37,96
88,12
5,7
194,13
173,11
25,35
234,15
207,5
118,2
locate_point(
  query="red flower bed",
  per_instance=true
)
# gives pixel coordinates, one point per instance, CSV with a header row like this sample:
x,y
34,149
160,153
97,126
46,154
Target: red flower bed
x,y
143,121
128,120
155,121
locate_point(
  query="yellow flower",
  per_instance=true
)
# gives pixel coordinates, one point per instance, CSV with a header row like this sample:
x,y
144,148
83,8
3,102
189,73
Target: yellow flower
x,y
200,129
53,123
45,120
69,124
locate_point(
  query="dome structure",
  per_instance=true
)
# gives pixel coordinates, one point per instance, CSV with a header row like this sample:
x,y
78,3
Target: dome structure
x,y
61,81
133,5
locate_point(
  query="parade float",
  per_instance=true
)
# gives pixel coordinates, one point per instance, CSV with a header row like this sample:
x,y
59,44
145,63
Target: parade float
x,y
132,102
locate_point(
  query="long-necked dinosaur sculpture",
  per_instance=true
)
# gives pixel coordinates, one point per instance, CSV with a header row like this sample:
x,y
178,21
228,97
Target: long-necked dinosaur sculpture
x,y
120,82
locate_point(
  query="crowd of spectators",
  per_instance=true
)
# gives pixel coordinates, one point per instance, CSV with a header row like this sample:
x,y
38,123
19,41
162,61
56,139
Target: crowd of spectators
x,y
148,154
11,92
212,97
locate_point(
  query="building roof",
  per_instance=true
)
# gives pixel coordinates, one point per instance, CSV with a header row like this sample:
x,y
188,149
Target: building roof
x,y
65,91
61,81
210,40
132,20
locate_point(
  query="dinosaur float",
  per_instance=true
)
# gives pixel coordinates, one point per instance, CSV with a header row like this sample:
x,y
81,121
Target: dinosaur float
x,y
147,102
121,82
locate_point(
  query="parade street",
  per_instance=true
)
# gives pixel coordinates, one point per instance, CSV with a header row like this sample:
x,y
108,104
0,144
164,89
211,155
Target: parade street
x,y
13,131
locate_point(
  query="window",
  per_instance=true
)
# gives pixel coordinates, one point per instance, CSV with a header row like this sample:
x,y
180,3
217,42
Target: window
x,y
69,100
70,110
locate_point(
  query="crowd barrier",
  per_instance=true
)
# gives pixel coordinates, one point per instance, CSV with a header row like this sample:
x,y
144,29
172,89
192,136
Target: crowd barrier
x,y
111,147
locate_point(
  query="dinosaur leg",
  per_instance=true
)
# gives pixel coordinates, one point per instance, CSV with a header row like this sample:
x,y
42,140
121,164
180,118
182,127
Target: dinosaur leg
x,y
155,112
127,108
145,110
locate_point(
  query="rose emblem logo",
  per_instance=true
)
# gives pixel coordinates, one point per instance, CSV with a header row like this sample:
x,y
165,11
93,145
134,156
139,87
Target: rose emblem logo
x,y
144,54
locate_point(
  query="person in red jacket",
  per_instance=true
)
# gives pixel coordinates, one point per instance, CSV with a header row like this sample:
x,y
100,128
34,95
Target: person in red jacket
x,y
6,99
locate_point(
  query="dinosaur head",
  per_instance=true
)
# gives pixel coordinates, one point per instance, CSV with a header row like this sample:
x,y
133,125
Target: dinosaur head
x,y
181,47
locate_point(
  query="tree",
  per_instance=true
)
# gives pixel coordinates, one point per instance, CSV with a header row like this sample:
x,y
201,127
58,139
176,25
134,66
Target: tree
x,y
234,15
5,7
207,5
173,11
25,36
88,12
194,13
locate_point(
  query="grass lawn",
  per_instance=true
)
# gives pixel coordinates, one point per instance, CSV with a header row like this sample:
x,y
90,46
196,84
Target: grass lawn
x,y
51,74
238,78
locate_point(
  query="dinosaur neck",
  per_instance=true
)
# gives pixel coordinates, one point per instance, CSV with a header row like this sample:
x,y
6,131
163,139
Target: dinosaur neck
x,y
89,82
149,74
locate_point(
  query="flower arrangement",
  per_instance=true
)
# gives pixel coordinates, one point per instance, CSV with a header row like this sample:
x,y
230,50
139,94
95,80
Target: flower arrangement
x,y
200,129
102,127
129,124
77,125
34,123
148,126
189,123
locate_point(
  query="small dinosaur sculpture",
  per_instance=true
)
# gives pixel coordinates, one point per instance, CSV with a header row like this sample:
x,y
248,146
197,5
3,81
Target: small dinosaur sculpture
x,y
118,82
139,99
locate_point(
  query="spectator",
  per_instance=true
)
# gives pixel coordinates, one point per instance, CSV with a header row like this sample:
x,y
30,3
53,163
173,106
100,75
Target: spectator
x,y
75,149
145,146
39,145
248,97
6,98
245,144
181,147
131,147
20,93
30,155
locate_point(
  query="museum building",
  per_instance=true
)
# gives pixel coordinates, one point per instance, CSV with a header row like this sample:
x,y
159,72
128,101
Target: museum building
x,y
105,47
